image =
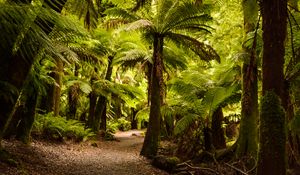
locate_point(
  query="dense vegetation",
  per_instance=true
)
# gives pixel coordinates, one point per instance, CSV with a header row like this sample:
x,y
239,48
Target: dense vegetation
x,y
218,79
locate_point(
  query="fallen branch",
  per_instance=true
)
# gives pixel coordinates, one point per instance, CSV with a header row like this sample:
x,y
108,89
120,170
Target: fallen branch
x,y
199,168
236,169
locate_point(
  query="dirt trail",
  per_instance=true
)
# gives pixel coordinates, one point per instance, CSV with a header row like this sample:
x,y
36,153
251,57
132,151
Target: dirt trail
x,y
119,157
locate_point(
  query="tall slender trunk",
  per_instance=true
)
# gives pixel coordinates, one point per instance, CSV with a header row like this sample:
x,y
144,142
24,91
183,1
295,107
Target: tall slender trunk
x,y
272,150
247,141
99,121
93,102
57,87
73,97
151,141
100,118
134,124
218,135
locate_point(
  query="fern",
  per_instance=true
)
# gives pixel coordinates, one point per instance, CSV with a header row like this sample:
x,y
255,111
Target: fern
x,y
59,128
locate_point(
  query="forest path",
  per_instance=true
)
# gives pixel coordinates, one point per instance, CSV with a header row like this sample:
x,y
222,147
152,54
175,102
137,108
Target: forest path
x,y
119,157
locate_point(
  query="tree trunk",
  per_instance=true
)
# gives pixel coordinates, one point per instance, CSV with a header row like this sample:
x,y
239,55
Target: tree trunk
x,y
26,123
293,153
218,137
15,68
57,87
149,79
100,107
73,96
247,141
103,119
93,102
272,151
151,141
100,118
134,124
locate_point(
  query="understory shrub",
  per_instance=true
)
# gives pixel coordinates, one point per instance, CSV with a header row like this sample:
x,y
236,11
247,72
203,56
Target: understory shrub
x,y
60,129
120,124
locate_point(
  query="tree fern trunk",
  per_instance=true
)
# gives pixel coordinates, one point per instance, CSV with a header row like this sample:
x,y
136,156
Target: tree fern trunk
x,y
247,141
57,88
151,141
100,118
93,102
218,137
73,95
272,151
26,123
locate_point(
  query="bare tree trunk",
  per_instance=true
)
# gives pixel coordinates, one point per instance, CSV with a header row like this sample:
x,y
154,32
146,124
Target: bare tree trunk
x,y
151,141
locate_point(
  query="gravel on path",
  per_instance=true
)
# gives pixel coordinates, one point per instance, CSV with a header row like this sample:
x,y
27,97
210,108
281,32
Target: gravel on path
x,y
120,157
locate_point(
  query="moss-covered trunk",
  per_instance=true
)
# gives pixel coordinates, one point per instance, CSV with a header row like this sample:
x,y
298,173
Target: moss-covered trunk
x,y
248,136
293,151
26,122
57,87
218,137
151,141
272,150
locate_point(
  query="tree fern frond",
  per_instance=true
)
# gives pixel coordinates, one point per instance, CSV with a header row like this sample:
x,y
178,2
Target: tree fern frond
x,y
184,14
120,14
143,115
216,96
204,51
84,86
139,24
185,122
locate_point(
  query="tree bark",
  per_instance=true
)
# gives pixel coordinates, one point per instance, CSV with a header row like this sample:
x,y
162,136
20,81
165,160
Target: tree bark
x,y
134,124
93,102
73,97
248,138
272,151
57,87
100,118
151,141
218,137
26,122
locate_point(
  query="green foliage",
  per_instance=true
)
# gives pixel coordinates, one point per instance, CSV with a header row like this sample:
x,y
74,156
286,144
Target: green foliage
x,y
120,124
123,124
58,128
143,116
294,125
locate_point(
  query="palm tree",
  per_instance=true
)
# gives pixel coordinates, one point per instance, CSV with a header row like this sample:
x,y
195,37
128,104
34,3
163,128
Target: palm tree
x,y
168,20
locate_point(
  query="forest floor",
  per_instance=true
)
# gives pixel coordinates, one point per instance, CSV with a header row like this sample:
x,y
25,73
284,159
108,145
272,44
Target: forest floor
x,y
119,157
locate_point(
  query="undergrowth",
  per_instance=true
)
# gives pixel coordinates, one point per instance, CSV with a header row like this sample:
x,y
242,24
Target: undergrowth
x,y
59,129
